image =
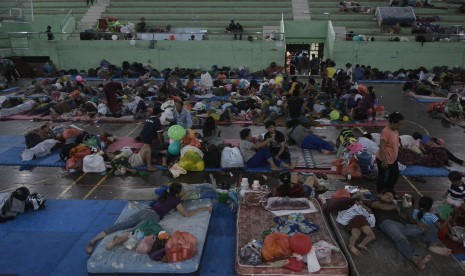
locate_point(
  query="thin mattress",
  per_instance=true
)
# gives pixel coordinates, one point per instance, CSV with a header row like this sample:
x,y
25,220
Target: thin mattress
x,y
121,260
252,220
384,258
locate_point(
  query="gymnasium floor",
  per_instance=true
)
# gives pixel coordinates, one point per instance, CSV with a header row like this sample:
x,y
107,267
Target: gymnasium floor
x,y
57,184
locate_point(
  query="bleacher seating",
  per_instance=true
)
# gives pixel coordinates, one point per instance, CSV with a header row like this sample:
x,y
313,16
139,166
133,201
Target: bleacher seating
x,y
213,16
365,23
44,7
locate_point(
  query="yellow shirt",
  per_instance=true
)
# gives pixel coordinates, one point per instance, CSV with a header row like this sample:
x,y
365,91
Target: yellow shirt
x,y
330,71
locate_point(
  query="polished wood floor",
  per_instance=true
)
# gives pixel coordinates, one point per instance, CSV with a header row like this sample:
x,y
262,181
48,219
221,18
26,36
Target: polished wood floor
x,y
57,183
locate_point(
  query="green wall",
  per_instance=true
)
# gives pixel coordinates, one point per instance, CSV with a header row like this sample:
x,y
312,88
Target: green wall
x,y
88,54
396,55
39,25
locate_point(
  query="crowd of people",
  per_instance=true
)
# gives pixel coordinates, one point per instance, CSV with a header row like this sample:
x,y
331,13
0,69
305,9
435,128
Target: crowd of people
x,y
278,96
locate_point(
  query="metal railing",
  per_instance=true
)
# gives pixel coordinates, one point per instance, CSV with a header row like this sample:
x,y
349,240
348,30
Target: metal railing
x,y
66,21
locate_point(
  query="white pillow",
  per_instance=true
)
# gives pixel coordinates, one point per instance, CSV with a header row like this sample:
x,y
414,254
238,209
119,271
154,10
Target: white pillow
x,y
376,137
406,140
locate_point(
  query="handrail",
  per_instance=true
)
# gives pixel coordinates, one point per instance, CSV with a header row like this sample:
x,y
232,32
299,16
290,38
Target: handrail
x,y
66,20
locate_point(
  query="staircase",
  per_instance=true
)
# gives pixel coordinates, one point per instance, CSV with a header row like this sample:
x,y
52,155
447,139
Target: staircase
x,y
300,10
90,18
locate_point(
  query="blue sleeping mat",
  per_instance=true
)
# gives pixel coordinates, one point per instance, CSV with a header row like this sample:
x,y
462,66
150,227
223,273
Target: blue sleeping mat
x,y
11,148
424,171
123,261
393,15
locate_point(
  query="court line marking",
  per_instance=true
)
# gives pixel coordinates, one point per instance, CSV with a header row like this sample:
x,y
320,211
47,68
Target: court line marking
x,y
139,124
412,185
418,125
70,186
98,184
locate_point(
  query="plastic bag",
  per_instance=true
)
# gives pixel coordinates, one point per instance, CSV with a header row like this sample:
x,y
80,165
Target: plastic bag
x,y
250,255
146,244
93,163
276,247
192,161
231,158
180,246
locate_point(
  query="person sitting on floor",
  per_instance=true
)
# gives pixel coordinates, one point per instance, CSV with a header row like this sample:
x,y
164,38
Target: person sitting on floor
x,y
423,214
397,226
126,160
358,219
278,145
211,133
303,138
454,109
258,154
455,195
152,129
172,199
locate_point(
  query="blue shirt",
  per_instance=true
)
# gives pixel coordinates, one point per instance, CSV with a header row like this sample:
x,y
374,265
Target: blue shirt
x,y
183,119
428,218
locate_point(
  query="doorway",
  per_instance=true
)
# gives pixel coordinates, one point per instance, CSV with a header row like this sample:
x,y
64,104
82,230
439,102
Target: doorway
x,y
293,51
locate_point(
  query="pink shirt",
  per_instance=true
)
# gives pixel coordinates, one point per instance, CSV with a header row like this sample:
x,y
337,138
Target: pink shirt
x,y
391,146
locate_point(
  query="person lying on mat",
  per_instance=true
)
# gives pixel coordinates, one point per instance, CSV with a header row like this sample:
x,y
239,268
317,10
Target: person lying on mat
x,y
172,199
303,138
125,160
430,142
397,226
358,219
258,154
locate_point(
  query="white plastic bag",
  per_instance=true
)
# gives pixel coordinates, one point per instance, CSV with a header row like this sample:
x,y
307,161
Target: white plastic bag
x,y
206,80
93,163
231,158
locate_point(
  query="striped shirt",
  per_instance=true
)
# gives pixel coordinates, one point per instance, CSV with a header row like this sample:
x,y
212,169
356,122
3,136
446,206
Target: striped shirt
x,y
428,218
457,192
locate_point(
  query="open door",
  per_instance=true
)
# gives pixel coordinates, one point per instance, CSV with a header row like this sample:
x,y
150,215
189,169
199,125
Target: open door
x,y
294,50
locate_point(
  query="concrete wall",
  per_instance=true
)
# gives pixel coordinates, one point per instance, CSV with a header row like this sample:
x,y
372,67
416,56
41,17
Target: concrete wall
x,y
88,54
396,55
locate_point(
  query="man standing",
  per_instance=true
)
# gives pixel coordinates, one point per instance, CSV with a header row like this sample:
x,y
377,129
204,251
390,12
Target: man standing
x,y
386,157
314,65
304,65
111,89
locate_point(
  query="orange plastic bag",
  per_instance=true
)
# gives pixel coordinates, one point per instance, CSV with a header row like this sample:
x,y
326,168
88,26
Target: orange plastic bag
x,y
180,246
276,247
341,193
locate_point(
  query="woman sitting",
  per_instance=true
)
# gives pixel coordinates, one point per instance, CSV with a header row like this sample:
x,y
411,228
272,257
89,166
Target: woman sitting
x,y
258,154
172,199
306,140
211,133
454,109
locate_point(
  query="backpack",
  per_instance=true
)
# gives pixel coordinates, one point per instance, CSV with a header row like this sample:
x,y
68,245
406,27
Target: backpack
x,y
180,246
35,201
